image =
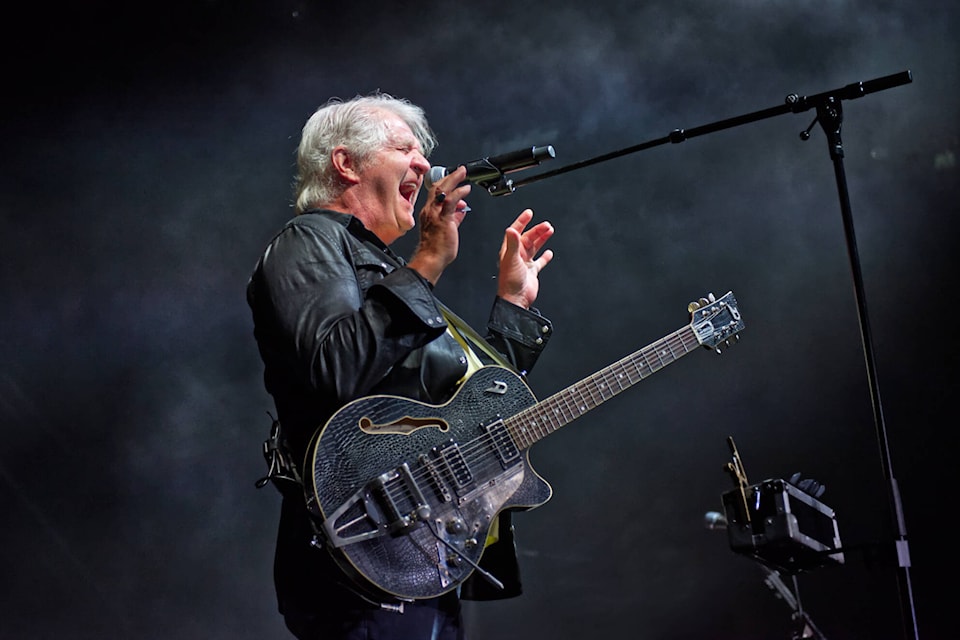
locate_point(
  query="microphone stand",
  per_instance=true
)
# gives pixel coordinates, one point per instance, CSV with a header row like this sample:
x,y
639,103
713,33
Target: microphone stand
x,y
829,110
830,115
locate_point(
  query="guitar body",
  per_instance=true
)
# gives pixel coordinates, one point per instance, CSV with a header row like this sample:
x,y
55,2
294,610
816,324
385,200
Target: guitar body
x,y
408,491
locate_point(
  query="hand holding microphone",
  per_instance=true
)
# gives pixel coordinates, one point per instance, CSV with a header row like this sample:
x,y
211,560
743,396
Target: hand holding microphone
x,y
439,224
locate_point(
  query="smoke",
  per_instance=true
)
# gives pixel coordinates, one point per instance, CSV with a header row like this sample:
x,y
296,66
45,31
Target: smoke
x,y
149,162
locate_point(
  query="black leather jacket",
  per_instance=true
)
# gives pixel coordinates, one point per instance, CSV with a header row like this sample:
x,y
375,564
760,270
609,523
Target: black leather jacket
x,y
336,317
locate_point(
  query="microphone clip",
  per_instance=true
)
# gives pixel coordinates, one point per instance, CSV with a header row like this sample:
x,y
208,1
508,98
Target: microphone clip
x,y
502,187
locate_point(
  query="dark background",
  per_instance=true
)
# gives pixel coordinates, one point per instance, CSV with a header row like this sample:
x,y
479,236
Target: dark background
x,y
148,155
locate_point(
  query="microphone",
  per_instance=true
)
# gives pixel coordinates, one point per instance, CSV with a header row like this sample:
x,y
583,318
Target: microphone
x,y
488,172
714,520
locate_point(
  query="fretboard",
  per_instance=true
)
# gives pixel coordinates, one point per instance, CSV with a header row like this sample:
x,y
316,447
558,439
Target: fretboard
x,y
545,417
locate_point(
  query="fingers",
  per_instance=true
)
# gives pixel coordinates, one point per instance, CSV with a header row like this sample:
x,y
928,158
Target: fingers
x,y
533,238
449,192
540,231
511,242
543,260
537,236
522,220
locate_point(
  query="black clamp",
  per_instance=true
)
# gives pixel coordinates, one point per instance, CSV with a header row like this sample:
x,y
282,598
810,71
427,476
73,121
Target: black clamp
x,y
281,469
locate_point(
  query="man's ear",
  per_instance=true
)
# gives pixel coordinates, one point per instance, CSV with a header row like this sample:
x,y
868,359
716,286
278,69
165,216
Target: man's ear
x,y
345,164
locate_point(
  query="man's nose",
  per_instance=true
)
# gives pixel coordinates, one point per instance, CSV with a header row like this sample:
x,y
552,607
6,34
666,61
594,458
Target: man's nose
x,y
420,164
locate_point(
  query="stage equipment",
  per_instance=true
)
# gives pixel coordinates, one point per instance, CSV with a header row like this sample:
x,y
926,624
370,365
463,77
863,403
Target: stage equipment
x,y
777,523
804,627
828,106
784,527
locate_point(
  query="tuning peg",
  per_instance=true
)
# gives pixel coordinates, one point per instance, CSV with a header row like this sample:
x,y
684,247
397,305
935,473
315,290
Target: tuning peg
x,y
729,342
693,306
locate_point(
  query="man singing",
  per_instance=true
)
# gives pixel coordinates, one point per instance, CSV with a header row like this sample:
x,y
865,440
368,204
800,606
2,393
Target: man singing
x,y
338,316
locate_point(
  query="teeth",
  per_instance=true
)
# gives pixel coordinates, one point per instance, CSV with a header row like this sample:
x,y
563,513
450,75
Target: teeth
x,y
408,190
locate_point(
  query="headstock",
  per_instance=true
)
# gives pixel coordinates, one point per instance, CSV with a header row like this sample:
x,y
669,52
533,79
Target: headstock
x,y
716,322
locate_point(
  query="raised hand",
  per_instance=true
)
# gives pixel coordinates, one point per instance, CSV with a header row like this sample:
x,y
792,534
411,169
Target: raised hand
x,y
518,280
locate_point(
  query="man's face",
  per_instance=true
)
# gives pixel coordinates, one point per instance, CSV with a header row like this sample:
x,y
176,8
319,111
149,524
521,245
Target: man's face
x,y
391,180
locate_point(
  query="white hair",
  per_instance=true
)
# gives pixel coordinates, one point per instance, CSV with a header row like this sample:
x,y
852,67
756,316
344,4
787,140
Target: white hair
x,y
358,125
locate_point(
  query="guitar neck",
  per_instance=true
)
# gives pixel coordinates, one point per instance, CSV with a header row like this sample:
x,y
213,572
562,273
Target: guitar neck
x,y
540,420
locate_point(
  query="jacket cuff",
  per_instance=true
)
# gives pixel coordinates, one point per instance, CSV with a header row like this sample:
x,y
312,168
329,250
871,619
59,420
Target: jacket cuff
x,y
525,326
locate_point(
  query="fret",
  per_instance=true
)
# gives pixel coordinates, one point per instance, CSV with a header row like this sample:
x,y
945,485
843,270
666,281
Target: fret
x,y
658,351
673,356
646,361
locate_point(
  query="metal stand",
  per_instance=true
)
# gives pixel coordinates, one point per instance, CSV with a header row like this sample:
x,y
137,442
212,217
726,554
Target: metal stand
x,y
805,627
829,111
830,115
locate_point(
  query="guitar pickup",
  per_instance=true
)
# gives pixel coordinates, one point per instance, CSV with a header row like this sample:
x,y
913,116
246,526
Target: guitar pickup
x,y
450,458
504,446
434,473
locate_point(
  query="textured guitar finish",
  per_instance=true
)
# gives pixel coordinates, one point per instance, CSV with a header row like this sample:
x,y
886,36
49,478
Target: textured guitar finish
x,y
460,472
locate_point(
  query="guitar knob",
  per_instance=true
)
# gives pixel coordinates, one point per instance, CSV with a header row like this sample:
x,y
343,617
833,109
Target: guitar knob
x,y
455,526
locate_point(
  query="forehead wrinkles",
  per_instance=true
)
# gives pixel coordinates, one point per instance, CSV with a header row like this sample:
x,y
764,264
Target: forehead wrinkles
x,y
399,134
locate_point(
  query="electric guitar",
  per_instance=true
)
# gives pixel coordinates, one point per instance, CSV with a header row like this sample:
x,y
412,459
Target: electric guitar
x,y
406,492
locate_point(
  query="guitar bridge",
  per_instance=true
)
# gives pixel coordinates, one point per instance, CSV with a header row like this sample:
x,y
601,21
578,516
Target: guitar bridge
x,y
389,504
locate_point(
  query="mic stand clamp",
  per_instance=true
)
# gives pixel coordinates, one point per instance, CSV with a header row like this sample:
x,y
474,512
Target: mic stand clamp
x,y
500,187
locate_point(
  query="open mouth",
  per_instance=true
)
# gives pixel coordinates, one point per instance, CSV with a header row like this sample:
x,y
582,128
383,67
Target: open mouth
x,y
409,190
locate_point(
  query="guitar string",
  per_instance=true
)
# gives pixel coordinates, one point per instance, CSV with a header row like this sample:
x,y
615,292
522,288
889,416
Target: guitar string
x,y
469,450
469,457
611,378
599,387
591,396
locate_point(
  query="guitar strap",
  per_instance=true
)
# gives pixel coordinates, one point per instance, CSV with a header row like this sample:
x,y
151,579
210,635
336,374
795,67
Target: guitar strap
x,y
473,362
463,332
